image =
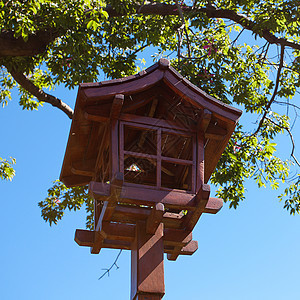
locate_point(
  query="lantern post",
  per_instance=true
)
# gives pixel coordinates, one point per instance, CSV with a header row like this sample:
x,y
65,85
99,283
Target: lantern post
x,y
146,145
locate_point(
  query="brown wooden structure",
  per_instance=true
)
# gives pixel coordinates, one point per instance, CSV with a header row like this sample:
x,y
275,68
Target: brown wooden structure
x,y
147,145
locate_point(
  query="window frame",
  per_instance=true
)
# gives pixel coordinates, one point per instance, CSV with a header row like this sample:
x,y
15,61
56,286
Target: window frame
x,y
158,157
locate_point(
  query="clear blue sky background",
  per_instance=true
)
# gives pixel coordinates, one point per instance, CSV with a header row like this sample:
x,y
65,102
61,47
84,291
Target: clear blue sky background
x,y
246,254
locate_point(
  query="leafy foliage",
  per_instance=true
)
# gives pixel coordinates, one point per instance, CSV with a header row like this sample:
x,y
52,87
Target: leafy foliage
x,y
61,198
245,53
7,172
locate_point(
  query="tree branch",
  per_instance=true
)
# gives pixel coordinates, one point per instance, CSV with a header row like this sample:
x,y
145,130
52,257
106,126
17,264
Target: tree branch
x,y
30,87
211,12
37,43
184,27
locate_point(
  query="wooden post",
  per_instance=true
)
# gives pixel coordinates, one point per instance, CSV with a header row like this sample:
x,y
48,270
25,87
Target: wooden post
x,y
147,264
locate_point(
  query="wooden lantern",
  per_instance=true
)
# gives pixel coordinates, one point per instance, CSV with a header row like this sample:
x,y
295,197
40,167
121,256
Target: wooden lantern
x,y
147,145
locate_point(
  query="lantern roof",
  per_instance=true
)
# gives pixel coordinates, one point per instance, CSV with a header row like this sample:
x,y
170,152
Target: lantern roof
x,y
178,101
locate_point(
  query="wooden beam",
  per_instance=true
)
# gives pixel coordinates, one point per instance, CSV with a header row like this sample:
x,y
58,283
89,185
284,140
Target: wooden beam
x,y
155,218
107,212
82,172
84,238
119,232
177,237
105,112
137,104
104,216
116,106
83,167
99,161
147,297
150,114
154,122
126,232
99,190
113,244
131,214
201,199
205,120
114,148
109,206
200,160
147,263
145,196
97,211
189,249
96,117
215,132
170,199
117,181
97,113
174,255
98,242
213,205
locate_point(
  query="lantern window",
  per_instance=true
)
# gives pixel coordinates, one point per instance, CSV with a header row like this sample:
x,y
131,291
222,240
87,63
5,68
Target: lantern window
x,y
158,157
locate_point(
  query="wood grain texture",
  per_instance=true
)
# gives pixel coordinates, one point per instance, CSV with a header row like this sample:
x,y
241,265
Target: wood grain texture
x,y
147,262
116,233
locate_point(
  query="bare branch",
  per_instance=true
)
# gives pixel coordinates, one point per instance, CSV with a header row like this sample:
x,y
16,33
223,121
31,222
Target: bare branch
x,y
287,104
30,87
233,42
274,93
291,137
140,49
113,264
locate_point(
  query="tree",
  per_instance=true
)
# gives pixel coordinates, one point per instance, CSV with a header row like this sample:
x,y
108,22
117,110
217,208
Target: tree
x,y
244,53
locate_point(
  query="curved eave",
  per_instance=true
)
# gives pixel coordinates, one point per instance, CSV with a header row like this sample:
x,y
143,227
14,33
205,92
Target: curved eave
x,y
150,77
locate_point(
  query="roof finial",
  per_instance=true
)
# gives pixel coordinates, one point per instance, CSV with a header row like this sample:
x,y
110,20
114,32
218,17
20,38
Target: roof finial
x,y
164,63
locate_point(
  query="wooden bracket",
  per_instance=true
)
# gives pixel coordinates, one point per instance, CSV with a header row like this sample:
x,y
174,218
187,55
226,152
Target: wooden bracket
x,y
213,205
117,180
99,237
116,234
189,249
109,206
107,212
155,218
205,120
116,106
201,199
215,132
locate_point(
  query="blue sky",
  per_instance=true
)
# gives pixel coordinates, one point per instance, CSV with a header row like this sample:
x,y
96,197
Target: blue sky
x,y
248,253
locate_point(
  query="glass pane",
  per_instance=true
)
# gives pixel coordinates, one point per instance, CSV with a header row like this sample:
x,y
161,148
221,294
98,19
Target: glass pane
x,y
176,176
140,140
140,170
176,146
